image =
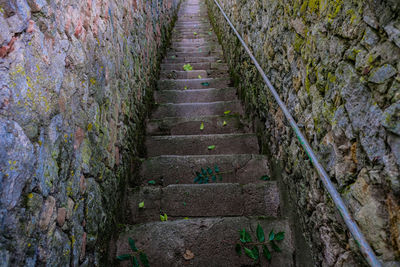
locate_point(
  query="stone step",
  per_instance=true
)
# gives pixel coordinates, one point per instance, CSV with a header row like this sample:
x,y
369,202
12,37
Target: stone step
x,y
189,25
195,95
177,74
199,144
192,42
238,168
195,47
196,109
195,66
191,34
205,35
192,50
194,74
192,25
191,126
211,240
196,200
182,44
185,60
180,84
195,54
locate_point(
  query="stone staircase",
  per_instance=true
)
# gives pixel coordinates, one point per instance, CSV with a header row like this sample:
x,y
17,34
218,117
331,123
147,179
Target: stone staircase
x,y
202,218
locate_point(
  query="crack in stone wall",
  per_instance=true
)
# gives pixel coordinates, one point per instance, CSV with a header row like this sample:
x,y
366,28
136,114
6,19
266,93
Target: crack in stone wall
x,y
76,80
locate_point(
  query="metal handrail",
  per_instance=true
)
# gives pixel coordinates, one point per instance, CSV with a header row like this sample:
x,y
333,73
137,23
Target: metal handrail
x,y
344,212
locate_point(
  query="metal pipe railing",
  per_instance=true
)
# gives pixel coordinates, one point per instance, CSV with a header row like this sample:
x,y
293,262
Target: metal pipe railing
x,y
365,248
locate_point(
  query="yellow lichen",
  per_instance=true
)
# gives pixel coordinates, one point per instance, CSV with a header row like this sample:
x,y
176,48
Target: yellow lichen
x,y
34,98
313,5
303,7
331,78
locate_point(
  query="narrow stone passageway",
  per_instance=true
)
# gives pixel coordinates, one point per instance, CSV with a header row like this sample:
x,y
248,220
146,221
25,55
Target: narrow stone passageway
x,y
198,126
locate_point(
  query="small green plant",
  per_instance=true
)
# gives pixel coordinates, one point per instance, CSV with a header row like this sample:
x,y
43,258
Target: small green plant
x,y
208,175
187,67
265,178
251,249
134,255
164,217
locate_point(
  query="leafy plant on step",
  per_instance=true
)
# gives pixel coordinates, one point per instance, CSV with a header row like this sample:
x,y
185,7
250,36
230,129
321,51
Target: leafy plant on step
x,y
164,217
207,175
187,67
134,255
266,244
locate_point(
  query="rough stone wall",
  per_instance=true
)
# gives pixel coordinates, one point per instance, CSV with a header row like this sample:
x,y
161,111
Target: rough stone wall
x,y
76,78
336,65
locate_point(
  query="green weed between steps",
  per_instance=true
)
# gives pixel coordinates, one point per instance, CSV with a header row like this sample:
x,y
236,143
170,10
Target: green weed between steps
x,y
252,249
204,176
187,67
134,255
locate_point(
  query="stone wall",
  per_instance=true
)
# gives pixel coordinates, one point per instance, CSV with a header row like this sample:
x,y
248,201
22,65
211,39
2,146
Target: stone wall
x,y
76,78
336,66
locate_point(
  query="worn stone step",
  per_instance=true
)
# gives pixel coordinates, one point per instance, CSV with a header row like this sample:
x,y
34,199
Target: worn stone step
x,y
192,50
190,34
194,74
194,42
187,26
185,60
192,26
195,200
195,31
207,36
195,66
195,54
195,95
191,126
211,240
177,74
182,84
196,109
195,47
209,45
199,144
238,168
